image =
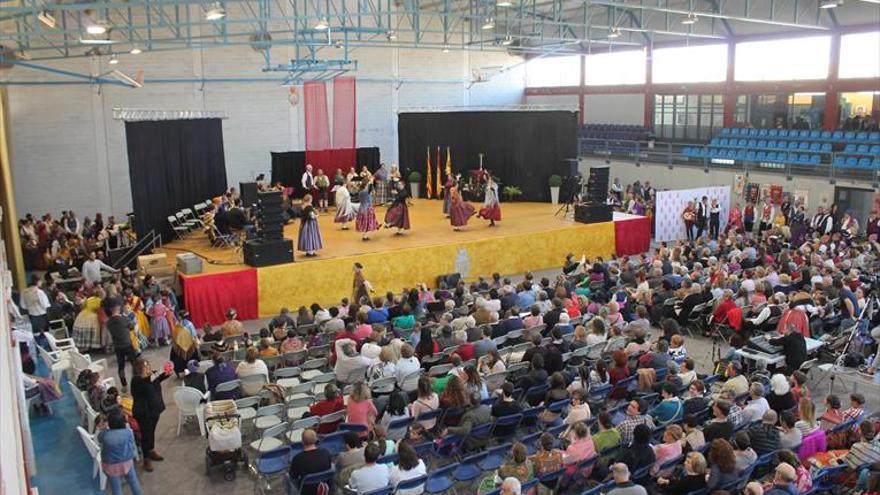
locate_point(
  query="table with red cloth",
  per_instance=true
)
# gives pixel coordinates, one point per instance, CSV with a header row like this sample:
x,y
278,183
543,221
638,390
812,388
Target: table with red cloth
x,y
632,234
208,296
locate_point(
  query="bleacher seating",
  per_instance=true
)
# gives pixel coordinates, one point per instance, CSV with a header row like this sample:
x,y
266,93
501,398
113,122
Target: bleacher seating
x,y
614,131
840,149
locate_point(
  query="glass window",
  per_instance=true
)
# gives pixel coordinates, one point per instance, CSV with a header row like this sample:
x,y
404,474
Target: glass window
x,y
554,71
606,69
858,107
860,55
783,60
690,64
688,117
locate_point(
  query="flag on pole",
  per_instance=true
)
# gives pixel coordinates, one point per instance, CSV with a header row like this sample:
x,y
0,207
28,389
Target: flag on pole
x,y
429,190
448,162
439,182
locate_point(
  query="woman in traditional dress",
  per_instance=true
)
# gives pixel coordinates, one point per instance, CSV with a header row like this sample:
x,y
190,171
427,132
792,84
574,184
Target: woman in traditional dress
x,y
767,215
309,235
689,215
394,176
491,209
460,211
161,329
137,306
366,216
185,346
734,219
345,210
447,187
86,328
380,185
361,288
398,213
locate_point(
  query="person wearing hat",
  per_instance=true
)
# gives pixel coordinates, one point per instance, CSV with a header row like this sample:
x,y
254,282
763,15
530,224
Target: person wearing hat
x,y
193,377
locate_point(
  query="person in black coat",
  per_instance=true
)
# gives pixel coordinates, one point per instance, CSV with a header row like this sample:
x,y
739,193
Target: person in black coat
x,y
794,348
146,391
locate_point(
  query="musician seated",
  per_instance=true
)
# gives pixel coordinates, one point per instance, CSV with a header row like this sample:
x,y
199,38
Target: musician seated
x,y
238,219
794,348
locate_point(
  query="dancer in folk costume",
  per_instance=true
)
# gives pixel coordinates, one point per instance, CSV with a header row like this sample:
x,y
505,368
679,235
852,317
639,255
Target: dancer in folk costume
x,y
491,209
159,323
366,216
734,220
447,187
398,213
322,182
309,235
460,211
380,185
137,306
360,287
86,327
767,214
345,210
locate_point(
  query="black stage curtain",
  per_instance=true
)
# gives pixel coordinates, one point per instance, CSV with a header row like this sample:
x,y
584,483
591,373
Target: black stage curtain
x,y
288,166
173,164
521,148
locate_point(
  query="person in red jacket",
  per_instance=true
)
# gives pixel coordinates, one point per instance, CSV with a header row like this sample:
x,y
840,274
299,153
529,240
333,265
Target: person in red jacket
x,y
726,304
332,402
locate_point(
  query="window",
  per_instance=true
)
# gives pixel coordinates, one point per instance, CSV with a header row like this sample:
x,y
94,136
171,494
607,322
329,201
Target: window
x,y
690,64
781,110
783,60
855,107
554,71
606,69
688,117
860,55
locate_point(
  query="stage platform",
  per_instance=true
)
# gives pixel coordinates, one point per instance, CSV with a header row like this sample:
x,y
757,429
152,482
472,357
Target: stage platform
x,y
529,237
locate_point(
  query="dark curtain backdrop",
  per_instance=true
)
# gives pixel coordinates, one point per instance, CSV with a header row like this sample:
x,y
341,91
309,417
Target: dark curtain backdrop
x,y
288,166
173,164
521,148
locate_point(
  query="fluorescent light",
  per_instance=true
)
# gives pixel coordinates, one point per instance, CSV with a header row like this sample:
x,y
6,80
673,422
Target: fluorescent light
x,y
46,18
614,33
392,35
690,19
504,3
96,41
135,51
830,4
99,27
216,12
322,24
488,24
113,60
445,49
507,41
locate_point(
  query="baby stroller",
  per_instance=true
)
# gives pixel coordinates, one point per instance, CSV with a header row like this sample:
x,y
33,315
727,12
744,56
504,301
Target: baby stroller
x,y
223,425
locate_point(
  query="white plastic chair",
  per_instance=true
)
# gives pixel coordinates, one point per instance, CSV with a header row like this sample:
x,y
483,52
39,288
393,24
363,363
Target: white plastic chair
x,y
56,363
81,362
95,453
189,403
88,415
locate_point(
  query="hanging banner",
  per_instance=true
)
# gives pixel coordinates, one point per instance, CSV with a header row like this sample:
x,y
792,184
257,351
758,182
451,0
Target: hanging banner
x,y
670,205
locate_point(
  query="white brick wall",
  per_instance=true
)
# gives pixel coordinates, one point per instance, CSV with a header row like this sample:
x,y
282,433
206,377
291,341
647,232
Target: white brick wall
x,y
68,152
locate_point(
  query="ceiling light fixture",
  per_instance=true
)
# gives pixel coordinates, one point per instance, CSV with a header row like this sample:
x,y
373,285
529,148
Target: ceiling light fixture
x,y
322,24
690,19
216,12
830,4
488,24
507,41
391,35
96,41
135,51
445,49
99,27
504,3
46,18
113,60
614,33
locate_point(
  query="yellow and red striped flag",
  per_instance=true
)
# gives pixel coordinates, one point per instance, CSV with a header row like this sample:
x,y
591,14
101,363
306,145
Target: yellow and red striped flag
x,y
438,179
429,189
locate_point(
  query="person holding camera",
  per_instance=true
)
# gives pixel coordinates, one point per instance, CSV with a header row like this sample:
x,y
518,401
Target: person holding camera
x,y
146,390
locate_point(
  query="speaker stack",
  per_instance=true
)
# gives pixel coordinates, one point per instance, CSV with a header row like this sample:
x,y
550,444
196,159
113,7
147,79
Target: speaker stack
x,y
248,193
269,247
594,210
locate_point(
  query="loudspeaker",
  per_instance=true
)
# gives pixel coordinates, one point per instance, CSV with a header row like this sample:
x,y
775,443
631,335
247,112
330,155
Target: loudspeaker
x,y
597,185
592,213
268,252
451,280
248,193
267,198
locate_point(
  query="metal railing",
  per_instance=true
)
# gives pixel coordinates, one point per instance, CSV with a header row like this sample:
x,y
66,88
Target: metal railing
x,y
146,243
671,154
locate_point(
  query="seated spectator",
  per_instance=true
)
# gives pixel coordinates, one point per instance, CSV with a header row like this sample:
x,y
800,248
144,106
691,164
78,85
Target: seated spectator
x,y
579,410
693,478
676,346
856,408
311,460
331,403
866,450
491,363
581,445
619,372
693,436
695,399
193,377
507,406
622,484
397,409
722,464
780,398
548,458
408,467
640,453
608,436
668,450
426,401
407,364
736,382
720,426
267,349
757,406
804,481
360,408
670,409
518,466
687,372
783,480
476,414
807,423
765,436
352,452
371,476
789,437
635,416
745,455
832,416
292,343
251,366
221,372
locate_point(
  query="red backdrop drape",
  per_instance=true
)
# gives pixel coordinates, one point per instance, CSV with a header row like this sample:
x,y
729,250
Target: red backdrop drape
x,y
632,236
208,297
324,151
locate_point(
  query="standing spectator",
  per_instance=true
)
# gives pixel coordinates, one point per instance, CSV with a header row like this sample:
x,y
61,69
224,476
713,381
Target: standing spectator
x,y
35,301
146,390
91,269
118,451
120,329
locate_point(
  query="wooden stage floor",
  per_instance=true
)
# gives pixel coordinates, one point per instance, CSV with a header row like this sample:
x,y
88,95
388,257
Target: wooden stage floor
x,y
429,228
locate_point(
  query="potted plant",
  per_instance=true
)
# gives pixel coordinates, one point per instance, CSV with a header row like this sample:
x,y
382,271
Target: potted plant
x,y
511,192
415,180
555,181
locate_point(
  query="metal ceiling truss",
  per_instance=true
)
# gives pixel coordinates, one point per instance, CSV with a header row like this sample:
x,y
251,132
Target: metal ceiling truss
x,y
523,26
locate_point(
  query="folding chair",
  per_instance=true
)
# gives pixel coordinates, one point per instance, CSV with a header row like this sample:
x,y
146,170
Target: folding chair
x,y
180,231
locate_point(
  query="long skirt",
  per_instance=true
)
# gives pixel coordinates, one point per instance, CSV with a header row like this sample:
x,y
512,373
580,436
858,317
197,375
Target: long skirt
x,y
380,193
87,331
366,220
309,236
160,328
446,201
460,213
345,213
398,216
491,212
143,323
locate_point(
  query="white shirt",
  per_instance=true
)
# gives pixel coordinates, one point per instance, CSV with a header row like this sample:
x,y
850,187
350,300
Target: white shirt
x,y
398,475
406,367
91,270
307,179
369,478
35,301
755,409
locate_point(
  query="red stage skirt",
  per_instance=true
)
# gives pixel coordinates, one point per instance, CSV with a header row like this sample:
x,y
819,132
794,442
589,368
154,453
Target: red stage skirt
x,y
491,212
460,213
398,216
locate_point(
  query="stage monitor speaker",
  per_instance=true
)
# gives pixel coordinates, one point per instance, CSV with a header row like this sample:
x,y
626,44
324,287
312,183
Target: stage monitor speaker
x,y
269,198
593,213
248,193
268,252
450,279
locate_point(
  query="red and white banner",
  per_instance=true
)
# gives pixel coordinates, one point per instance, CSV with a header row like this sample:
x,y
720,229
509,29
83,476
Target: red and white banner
x,y
668,223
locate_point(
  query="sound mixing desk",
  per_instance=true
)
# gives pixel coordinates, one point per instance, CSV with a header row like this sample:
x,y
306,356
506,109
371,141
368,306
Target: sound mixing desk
x,y
765,356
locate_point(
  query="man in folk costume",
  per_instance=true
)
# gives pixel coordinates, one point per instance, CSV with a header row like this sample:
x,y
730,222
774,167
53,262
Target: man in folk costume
x,y
491,209
308,182
361,287
767,214
702,216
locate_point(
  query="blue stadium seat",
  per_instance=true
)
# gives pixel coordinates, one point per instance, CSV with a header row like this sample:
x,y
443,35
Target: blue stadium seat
x,y
761,144
839,161
826,147
861,136
686,151
865,162
714,141
782,157
735,131
741,155
792,145
874,136
722,142
725,132
792,157
826,135
849,136
875,149
771,157
804,134
850,148
837,136
713,152
863,148
761,156
742,142
752,143
751,155
783,133
771,145
814,146
804,145
876,163
762,132
852,162
804,158
815,134
773,133
815,159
